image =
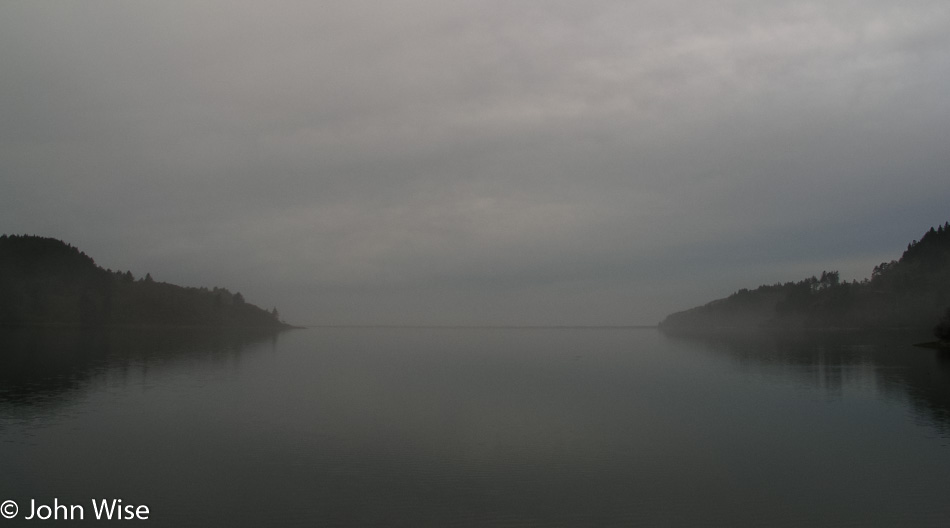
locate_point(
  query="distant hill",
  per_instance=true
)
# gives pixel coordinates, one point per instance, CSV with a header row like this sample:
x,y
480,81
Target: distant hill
x,y
912,292
47,281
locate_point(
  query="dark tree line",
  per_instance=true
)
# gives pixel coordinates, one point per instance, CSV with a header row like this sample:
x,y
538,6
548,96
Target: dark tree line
x,y
46,281
911,292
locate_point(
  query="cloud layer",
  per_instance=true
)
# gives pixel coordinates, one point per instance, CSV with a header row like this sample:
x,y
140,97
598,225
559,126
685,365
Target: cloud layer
x,y
477,162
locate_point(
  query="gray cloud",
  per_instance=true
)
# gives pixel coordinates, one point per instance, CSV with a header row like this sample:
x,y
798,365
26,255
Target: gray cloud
x,y
476,162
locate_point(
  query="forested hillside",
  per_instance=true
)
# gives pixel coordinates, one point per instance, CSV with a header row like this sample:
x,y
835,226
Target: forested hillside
x,y
911,292
46,281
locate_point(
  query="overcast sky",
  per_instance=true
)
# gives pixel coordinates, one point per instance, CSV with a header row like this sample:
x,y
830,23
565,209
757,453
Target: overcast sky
x,y
477,162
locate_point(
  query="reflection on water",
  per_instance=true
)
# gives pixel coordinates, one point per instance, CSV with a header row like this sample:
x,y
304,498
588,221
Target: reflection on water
x,y
46,365
884,362
478,427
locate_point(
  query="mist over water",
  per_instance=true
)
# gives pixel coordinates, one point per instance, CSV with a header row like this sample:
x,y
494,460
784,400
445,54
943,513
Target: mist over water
x,y
236,164
481,427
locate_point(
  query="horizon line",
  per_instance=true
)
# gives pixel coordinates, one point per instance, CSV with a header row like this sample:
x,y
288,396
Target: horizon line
x,y
489,326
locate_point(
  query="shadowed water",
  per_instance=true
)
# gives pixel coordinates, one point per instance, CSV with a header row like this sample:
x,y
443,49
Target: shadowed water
x,y
478,427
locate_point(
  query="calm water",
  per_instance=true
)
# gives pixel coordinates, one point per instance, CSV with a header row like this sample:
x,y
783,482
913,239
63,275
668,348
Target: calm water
x,y
477,427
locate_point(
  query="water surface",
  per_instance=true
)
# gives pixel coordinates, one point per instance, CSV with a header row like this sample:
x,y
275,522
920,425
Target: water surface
x,y
478,427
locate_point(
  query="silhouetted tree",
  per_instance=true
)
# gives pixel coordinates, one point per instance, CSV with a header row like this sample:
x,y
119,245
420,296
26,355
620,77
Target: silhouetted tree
x,y
829,279
882,269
